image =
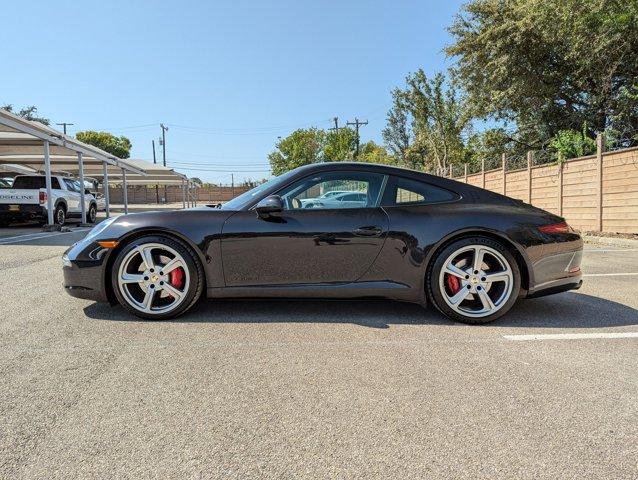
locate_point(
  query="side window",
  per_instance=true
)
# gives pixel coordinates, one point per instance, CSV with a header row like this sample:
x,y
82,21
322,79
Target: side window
x,y
413,192
54,183
71,185
351,190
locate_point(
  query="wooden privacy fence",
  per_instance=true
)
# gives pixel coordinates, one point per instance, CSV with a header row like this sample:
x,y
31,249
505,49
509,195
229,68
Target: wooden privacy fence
x,y
594,193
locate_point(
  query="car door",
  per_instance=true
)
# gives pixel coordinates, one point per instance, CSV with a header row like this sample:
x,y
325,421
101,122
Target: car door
x,y
328,243
72,195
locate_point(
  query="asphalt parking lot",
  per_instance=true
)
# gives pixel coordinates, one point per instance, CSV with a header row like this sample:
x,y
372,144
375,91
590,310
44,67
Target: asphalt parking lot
x,y
315,389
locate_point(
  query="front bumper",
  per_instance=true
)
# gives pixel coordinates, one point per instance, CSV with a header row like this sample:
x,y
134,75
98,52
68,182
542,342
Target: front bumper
x,y
83,271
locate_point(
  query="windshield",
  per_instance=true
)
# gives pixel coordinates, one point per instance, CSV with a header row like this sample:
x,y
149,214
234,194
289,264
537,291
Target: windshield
x,y
246,198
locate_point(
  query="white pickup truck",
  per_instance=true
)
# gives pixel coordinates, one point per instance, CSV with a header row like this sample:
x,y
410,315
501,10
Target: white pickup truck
x,y
26,200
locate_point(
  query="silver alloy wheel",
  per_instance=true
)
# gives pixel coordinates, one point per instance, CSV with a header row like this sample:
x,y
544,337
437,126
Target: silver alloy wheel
x,y
484,279
60,216
144,278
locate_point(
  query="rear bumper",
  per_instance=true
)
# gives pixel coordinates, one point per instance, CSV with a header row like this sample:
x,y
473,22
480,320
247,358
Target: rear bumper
x,y
556,286
23,213
557,272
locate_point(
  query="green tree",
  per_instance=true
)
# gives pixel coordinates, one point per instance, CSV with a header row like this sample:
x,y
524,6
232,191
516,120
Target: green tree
x,y
397,134
301,147
339,145
118,146
438,121
490,144
549,65
370,152
571,144
28,113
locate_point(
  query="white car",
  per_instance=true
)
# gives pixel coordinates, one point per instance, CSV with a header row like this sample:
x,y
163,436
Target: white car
x,y
338,200
27,200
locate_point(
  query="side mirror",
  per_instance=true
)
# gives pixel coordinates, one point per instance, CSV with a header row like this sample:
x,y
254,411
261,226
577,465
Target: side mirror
x,y
269,205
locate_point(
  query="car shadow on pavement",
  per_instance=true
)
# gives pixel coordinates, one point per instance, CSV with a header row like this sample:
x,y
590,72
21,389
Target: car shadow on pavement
x,y
567,310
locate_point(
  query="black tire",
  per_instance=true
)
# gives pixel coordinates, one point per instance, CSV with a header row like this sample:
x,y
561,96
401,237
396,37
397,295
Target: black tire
x,y
91,214
194,266
434,291
59,214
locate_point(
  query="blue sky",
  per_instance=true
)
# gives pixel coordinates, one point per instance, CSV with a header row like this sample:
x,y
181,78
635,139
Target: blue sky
x,y
227,77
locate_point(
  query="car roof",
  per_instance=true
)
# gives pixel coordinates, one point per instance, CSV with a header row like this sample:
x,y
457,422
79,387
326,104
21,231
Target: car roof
x,y
468,192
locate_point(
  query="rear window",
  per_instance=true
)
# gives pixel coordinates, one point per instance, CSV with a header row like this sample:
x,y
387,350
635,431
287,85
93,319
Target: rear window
x,y
34,183
412,192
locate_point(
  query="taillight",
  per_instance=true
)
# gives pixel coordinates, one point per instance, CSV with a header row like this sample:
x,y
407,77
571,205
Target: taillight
x,y
43,197
555,228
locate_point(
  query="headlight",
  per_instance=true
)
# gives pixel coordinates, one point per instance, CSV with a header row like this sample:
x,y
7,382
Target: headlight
x,y
65,261
100,227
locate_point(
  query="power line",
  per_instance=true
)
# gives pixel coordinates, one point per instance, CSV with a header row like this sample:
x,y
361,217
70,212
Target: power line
x,y
119,129
244,131
224,164
218,157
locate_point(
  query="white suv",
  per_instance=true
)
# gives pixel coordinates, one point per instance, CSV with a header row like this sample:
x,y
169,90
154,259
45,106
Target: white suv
x,y
27,200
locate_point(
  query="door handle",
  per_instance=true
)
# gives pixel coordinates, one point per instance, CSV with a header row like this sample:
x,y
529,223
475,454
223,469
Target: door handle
x,y
368,231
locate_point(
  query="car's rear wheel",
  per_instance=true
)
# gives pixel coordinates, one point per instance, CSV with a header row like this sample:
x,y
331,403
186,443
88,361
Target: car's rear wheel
x,y
474,280
157,277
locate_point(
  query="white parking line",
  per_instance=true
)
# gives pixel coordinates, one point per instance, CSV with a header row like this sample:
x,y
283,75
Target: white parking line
x,y
570,336
610,250
37,236
610,274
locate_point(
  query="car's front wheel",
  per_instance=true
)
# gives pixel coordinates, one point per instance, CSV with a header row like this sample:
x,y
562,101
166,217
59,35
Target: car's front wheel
x,y
157,277
59,215
91,215
474,280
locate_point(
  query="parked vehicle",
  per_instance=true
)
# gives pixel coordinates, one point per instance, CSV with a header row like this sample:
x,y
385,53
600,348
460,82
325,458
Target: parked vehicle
x,y
27,200
416,237
100,200
338,200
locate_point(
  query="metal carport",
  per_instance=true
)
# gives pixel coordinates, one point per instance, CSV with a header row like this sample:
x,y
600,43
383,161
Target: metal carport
x,y
155,175
37,146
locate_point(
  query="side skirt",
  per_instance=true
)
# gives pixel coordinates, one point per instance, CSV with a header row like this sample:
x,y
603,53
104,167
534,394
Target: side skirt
x,y
373,289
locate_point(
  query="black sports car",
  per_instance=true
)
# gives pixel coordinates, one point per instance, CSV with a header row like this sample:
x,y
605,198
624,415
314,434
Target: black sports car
x,y
385,233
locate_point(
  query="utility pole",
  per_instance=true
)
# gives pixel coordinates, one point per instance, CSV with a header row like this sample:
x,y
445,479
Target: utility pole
x,y
336,127
154,159
163,144
64,124
232,184
357,123
156,185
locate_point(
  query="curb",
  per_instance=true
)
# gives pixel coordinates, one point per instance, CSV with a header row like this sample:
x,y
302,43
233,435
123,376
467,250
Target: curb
x,y
613,241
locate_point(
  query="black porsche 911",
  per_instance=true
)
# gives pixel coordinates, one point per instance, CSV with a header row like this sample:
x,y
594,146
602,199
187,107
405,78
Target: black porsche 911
x,y
333,230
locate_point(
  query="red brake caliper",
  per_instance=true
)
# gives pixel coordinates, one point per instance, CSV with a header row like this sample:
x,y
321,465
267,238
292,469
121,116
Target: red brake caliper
x,y
453,283
176,278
